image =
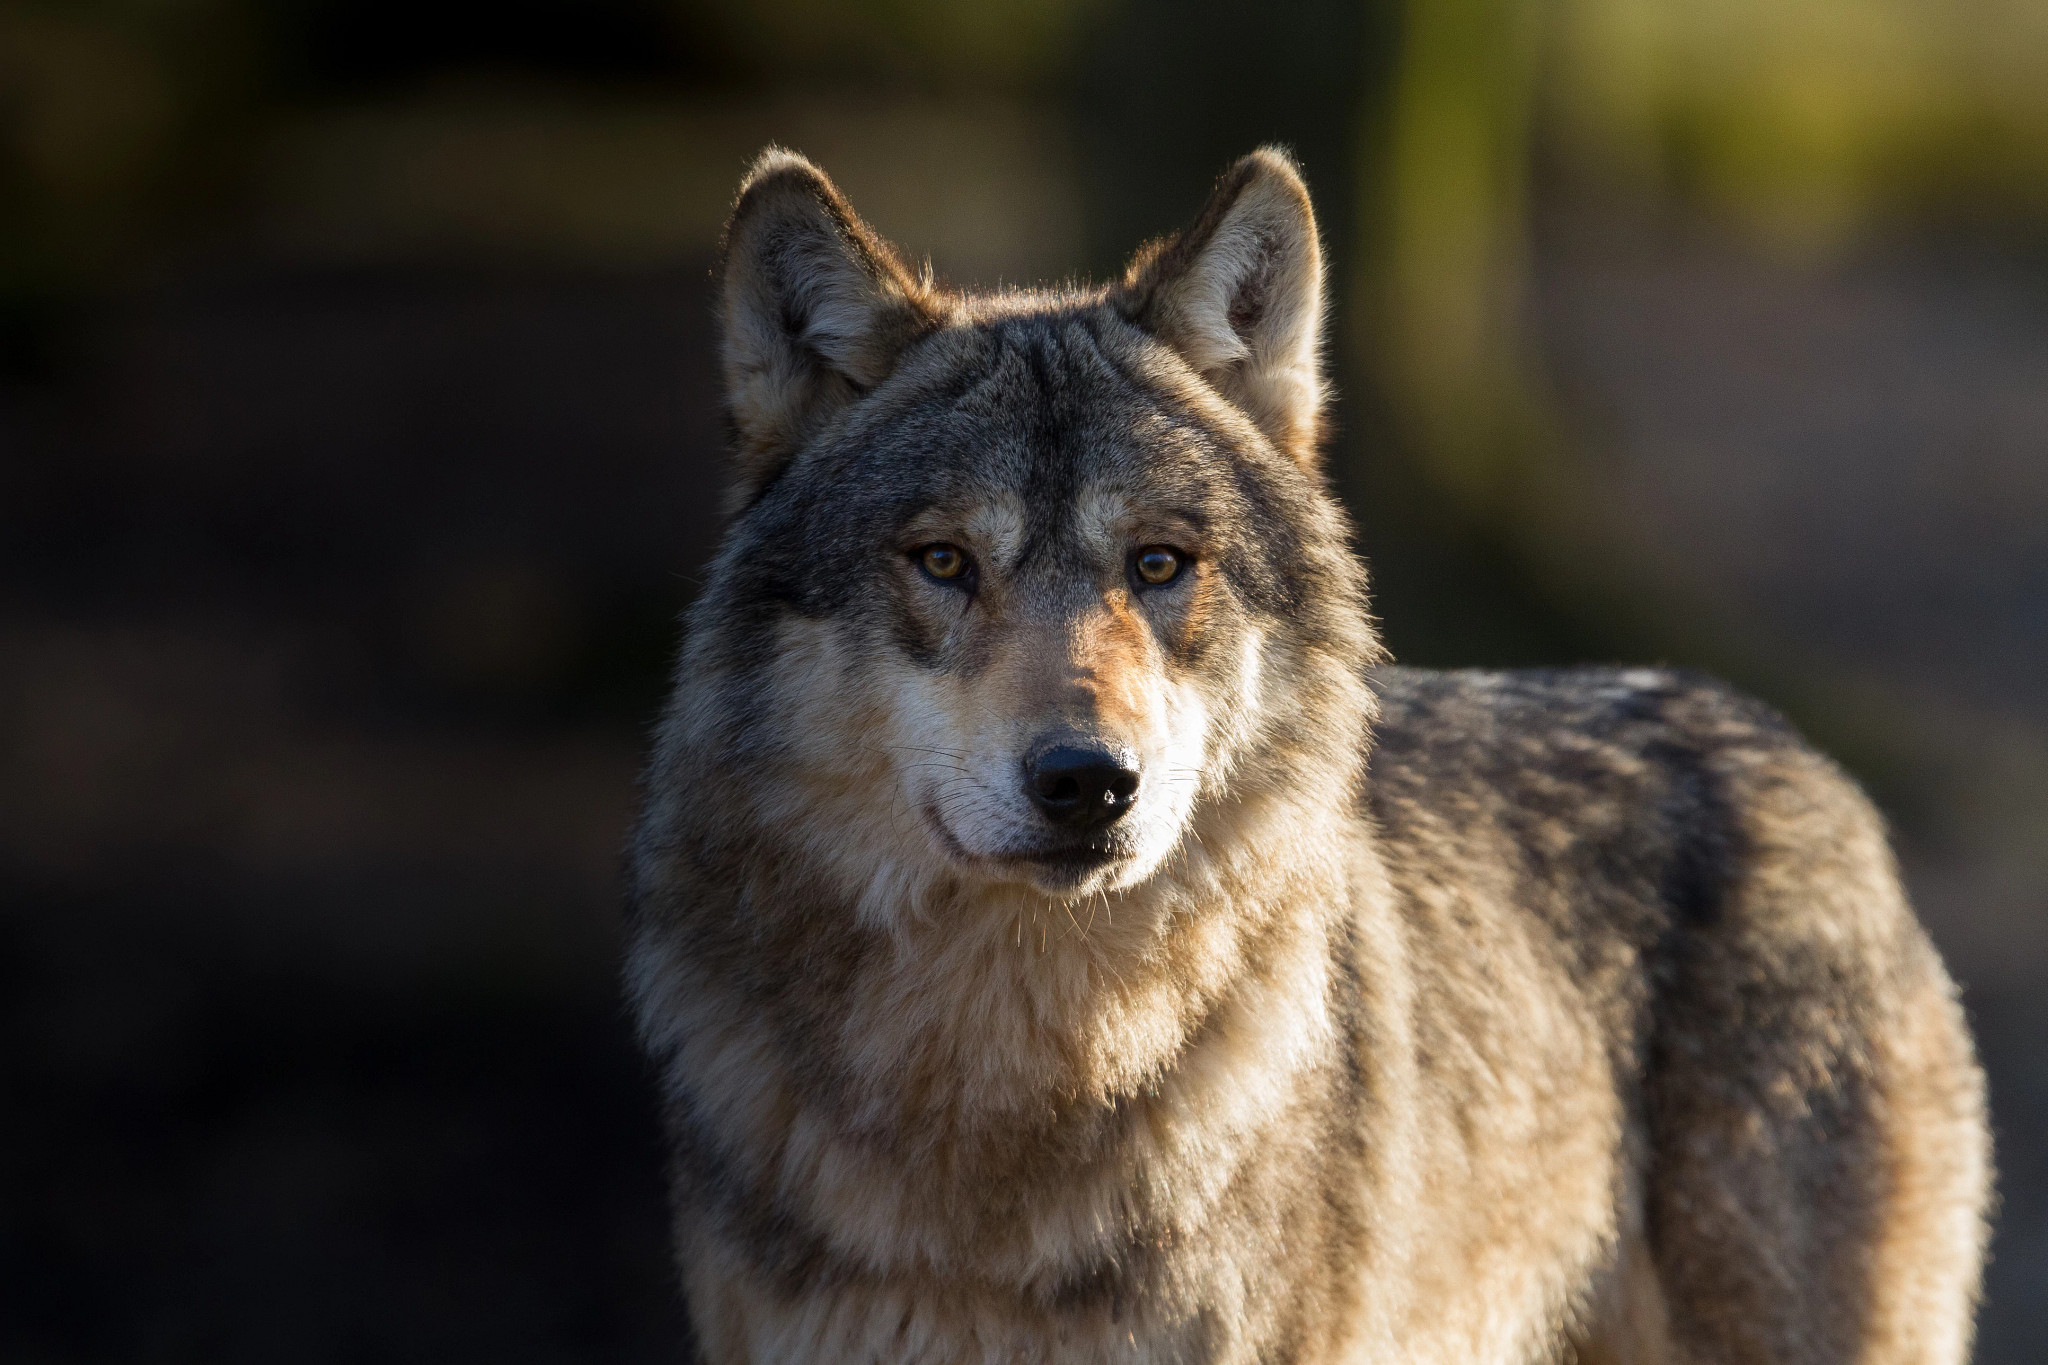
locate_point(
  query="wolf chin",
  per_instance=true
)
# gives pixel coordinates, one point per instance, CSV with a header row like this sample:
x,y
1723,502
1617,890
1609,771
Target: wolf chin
x,y
1060,937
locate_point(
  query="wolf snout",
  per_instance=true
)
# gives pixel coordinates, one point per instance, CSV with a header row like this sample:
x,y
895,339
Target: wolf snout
x,y
1080,786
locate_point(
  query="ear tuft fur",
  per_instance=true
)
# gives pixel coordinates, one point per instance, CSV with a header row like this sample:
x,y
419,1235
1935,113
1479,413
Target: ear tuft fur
x,y
1239,294
816,309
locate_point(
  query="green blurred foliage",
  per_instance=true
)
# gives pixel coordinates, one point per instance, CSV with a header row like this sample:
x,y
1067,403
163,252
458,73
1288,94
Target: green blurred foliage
x,y
1809,121
1808,129
1808,126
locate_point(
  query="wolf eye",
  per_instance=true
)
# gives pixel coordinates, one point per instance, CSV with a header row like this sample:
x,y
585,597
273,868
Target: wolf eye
x,y
1158,564
942,561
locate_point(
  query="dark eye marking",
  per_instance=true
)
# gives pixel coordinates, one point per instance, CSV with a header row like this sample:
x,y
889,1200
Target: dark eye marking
x,y
1157,565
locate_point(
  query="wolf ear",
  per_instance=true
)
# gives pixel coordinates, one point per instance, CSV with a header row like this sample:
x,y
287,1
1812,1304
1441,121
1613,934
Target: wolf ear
x,y
816,308
1239,295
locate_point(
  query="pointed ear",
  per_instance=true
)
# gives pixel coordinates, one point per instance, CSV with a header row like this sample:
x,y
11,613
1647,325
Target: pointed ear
x,y
816,310
1239,295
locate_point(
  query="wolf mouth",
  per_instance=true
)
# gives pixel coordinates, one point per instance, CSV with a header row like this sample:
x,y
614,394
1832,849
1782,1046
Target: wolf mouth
x,y
1068,858
1072,859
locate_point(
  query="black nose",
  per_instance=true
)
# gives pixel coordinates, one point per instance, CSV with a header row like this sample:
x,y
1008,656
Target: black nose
x,y
1081,787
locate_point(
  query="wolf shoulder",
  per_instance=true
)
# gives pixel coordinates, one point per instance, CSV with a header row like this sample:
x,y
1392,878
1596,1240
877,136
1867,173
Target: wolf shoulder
x,y
1622,799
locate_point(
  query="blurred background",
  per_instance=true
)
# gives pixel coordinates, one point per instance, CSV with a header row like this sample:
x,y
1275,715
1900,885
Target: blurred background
x,y
359,444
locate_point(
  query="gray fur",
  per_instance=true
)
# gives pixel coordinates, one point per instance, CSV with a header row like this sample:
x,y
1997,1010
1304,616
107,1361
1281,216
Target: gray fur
x,y
1406,1017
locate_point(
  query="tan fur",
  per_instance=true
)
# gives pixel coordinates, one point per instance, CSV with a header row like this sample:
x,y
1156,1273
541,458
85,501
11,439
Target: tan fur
x,y
1587,1023
1628,1323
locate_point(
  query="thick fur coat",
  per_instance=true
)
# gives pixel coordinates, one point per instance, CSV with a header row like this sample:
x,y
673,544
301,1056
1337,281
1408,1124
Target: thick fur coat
x,y
1060,937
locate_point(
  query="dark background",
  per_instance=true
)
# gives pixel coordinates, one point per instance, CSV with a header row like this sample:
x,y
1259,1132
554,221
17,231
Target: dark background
x,y
359,444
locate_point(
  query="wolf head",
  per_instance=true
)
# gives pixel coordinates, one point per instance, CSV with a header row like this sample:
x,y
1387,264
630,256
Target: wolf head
x,y
1019,588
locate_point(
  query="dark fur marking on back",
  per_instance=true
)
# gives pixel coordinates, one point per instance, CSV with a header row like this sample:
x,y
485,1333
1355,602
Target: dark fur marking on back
x,y
1706,842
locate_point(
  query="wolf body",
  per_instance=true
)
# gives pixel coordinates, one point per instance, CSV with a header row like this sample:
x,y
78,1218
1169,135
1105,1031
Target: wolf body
x,y
1060,937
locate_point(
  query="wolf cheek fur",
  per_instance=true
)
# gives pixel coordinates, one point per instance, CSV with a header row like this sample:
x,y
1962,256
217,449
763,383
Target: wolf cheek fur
x,y
1589,1023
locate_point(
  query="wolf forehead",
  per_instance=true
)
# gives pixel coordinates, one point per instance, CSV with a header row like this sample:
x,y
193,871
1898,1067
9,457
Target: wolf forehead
x,y
1044,434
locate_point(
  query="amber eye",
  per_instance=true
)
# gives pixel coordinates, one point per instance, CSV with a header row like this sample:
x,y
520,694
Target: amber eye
x,y
1159,564
943,561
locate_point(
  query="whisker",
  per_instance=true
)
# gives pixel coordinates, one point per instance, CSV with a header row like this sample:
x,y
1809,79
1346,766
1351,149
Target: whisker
x,y
925,749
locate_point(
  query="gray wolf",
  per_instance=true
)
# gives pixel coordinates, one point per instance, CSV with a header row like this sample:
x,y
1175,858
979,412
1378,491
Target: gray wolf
x,y
1060,936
